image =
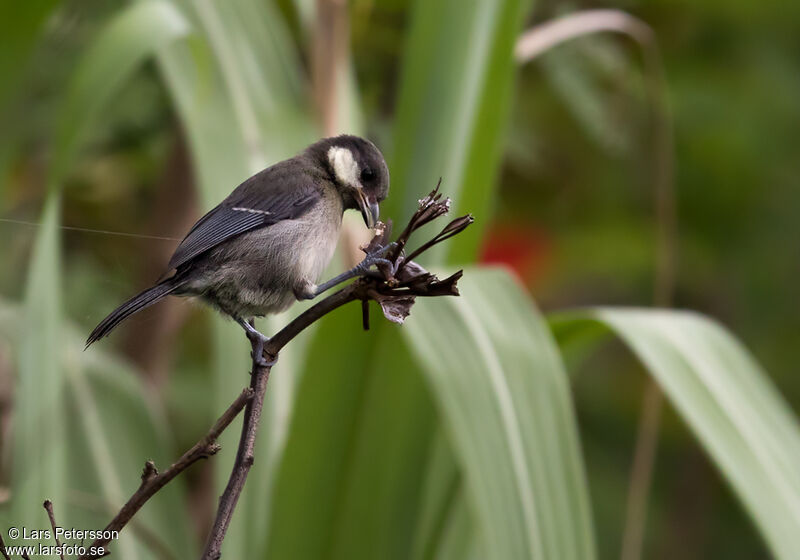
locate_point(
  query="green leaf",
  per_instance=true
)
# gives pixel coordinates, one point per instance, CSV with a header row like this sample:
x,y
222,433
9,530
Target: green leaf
x,y
39,442
135,34
39,450
256,62
576,71
20,23
104,404
346,489
726,399
442,496
107,406
349,482
454,102
20,27
458,540
504,399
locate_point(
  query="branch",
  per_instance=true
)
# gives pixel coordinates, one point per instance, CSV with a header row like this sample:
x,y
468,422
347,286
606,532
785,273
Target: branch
x,y
153,481
394,288
48,506
3,550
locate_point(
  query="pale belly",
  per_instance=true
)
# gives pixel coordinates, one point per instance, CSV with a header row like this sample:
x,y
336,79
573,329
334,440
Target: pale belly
x,y
260,271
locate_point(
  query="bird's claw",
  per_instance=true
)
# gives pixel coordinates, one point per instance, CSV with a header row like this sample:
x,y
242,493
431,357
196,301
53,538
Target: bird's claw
x,y
375,256
260,361
258,341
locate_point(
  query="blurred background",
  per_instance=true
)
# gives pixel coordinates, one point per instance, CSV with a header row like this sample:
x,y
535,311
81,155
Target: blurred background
x,y
573,145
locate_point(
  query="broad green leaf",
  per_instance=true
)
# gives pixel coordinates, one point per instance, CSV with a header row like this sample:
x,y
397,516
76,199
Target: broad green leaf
x,y
127,40
256,76
504,399
39,450
454,101
105,404
576,72
220,160
458,540
442,496
350,510
726,399
108,406
20,26
336,503
20,23
349,482
39,469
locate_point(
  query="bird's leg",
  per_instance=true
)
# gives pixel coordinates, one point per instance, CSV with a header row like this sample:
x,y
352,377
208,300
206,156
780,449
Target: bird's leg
x,y
257,341
362,268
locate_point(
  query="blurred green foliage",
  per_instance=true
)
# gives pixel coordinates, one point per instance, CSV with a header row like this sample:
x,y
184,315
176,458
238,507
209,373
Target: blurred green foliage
x,y
571,213
733,77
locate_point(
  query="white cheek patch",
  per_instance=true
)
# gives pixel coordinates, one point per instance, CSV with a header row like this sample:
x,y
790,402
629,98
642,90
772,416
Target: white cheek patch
x,y
344,166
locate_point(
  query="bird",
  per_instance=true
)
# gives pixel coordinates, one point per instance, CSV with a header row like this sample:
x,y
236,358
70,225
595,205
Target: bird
x,y
266,245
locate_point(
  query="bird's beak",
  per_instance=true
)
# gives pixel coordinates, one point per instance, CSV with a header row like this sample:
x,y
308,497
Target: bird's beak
x,y
370,210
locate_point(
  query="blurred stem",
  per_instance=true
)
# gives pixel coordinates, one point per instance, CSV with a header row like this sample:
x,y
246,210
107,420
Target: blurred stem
x,y
641,477
6,398
329,56
531,44
150,345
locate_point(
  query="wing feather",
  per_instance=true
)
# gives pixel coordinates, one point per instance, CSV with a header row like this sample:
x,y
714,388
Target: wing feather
x,y
263,200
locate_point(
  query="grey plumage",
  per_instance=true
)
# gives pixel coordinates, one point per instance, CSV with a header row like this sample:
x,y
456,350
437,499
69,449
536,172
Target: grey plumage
x,y
267,243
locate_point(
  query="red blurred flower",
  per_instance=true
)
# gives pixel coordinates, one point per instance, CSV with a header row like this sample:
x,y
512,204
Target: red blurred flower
x,y
522,248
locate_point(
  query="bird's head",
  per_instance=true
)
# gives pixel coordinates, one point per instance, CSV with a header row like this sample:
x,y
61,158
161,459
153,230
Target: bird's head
x,y
358,171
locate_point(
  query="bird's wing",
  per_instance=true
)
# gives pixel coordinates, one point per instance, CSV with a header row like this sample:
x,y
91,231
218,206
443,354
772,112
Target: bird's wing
x,y
261,201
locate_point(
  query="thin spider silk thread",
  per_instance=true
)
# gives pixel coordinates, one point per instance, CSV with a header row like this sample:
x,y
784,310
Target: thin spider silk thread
x,y
96,231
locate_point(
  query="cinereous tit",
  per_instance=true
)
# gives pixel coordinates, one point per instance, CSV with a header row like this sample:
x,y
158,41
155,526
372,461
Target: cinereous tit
x,y
267,243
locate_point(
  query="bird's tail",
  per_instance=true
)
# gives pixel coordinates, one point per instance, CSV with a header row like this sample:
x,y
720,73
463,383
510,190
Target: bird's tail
x,y
136,303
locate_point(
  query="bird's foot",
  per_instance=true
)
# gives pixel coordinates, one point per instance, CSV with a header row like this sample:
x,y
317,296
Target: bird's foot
x,y
375,256
257,342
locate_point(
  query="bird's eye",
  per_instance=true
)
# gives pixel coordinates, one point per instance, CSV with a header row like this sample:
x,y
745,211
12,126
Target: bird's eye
x,y
367,174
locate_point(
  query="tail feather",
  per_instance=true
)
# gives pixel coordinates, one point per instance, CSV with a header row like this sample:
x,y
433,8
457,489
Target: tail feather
x,y
136,303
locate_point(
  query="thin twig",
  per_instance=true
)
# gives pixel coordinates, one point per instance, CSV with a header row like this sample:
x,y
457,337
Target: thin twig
x,y
394,288
48,506
241,466
3,550
153,481
260,376
363,289
143,533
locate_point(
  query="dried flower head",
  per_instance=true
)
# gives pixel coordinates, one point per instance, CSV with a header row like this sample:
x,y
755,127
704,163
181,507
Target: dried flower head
x,y
399,283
